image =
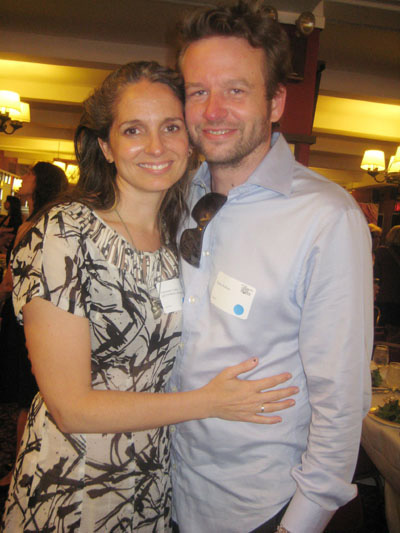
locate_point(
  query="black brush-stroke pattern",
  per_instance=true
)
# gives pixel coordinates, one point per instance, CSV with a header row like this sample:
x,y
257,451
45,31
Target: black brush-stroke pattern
x,y
86,482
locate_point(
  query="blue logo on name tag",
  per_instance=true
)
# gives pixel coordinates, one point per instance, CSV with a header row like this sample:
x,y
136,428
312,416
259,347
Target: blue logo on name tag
x,y
238,309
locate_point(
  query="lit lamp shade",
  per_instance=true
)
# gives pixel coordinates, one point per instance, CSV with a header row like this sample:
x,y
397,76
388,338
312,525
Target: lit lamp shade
x,y
373,160
394,163
60,164
9,101
24,115
72,173
397,155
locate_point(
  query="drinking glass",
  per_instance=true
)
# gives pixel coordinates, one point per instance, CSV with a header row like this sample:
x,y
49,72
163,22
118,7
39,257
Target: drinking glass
x,y
393,376
381,355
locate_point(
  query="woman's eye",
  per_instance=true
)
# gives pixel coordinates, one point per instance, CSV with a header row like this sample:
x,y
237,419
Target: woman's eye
x,y
172,128
131,131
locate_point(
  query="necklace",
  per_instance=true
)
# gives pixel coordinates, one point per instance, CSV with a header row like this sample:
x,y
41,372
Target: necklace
x,y
154,293
126,228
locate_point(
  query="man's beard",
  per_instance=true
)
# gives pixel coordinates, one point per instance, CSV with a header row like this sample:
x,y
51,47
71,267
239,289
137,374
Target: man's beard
x,y
243,147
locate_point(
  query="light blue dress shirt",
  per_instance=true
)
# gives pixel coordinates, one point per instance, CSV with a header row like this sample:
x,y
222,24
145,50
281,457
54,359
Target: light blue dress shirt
x,y
303,245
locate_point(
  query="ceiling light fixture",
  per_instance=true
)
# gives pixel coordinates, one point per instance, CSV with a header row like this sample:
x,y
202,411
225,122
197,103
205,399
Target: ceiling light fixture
x,y
374,163
13,112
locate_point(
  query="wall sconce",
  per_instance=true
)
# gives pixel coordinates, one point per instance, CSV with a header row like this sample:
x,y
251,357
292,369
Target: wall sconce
x,y
71,170
13,112
305,24
272,12
374,163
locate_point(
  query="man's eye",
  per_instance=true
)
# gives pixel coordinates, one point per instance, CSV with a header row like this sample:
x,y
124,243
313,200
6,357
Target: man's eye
x,y
237,91
200,92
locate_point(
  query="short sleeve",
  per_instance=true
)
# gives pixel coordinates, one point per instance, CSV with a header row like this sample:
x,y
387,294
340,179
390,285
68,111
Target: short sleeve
x,y
48,263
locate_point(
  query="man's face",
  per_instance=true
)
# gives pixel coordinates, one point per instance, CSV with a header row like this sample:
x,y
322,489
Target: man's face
x,y
227,112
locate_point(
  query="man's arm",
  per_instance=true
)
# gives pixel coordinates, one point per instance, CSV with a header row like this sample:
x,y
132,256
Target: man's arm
x,y
335,339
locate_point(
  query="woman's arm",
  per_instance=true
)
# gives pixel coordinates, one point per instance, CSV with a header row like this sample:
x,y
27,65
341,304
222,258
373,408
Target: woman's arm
x,y
59,348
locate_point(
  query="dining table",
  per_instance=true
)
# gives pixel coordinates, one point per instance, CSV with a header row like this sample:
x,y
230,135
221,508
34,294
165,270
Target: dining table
x,y
381,440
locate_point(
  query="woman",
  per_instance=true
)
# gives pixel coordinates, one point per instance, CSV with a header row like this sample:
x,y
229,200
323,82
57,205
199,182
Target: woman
x,y
42,184
103,286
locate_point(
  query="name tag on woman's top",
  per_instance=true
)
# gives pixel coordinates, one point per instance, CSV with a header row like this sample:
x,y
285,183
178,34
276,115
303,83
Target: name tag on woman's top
x,y
171,295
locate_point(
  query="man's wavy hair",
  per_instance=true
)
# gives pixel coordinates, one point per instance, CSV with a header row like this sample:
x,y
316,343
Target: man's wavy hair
x,y
250,20
97,185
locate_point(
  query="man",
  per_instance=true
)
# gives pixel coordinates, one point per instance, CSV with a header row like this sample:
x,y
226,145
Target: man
x,y
278,267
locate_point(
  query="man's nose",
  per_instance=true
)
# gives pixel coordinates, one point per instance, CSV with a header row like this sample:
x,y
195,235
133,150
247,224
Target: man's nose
x,y
215,108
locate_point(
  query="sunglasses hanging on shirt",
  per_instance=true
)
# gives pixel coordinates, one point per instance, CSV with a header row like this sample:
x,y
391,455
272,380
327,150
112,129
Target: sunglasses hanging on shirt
x,y
192,238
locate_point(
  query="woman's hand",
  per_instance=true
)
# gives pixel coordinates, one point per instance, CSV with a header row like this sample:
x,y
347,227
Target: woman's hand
x,y
242,400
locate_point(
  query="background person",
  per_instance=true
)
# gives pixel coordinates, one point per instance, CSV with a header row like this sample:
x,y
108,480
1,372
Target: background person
x,y
13,219
42,184
280,266
6,237
11,222
387,270
96,280
376,235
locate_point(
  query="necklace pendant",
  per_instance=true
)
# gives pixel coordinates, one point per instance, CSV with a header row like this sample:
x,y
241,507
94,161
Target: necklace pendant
x,y
156,306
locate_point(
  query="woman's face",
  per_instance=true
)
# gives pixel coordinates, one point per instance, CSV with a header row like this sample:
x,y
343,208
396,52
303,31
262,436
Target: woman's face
x,y
28,184
148,141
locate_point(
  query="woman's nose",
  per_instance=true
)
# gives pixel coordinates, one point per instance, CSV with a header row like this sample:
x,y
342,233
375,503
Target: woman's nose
x,y
155,144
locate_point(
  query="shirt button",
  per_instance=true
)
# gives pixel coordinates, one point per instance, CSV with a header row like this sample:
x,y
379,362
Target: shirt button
x,y
181,345
172,429
174,389
206,252
192,299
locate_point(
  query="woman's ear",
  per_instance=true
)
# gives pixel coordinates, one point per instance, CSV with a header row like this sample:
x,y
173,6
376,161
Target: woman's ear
x,y
105,148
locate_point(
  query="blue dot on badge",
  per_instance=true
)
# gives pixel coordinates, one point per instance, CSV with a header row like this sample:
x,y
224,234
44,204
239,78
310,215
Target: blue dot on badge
x,y
238,309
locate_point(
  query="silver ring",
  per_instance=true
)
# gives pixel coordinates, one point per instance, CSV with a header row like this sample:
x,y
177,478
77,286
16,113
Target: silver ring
x,y
262,409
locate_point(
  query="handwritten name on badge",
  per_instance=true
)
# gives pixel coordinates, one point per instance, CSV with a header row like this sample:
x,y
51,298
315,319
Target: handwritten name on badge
x,y
171,295
232,296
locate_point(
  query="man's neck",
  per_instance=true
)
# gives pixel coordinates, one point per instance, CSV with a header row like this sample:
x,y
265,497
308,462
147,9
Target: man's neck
x,y
226,177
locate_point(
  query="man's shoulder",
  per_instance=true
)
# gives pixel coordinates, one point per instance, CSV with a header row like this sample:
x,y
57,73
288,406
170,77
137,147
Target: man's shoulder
x,y
319,189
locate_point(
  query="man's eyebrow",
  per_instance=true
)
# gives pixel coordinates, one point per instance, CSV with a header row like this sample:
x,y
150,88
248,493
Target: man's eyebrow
x,y
189,85
227,83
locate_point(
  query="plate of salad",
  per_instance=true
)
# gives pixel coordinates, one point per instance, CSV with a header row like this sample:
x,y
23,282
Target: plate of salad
x,y
388,413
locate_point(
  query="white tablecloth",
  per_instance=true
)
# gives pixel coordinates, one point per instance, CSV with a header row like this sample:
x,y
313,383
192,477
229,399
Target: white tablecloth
x,y
382,444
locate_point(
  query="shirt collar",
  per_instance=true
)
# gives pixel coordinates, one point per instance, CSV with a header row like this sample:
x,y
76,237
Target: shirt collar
x,y
275,172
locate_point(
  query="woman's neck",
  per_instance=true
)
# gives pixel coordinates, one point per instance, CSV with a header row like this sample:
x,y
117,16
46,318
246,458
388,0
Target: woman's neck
x,y
137,222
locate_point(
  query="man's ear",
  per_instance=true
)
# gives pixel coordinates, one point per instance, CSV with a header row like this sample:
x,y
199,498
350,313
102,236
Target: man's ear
x,y
278,103
105,148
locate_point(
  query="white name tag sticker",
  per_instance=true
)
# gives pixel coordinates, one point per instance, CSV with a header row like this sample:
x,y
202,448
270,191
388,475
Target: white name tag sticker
x,y
171,295
232,296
